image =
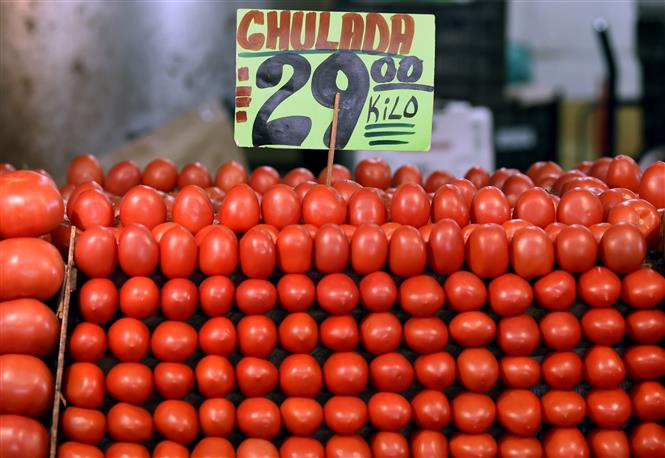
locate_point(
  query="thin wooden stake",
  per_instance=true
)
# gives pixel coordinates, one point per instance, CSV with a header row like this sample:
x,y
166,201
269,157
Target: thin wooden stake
x,y
69,284
333,140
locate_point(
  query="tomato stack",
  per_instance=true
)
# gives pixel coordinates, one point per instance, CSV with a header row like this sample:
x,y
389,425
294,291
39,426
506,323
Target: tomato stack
x,y
31,273
493,315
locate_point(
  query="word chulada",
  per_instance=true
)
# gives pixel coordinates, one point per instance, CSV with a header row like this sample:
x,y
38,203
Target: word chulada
x,y
298,30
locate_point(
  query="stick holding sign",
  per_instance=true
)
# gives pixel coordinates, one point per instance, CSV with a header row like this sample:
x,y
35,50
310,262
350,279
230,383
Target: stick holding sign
x,y
333,138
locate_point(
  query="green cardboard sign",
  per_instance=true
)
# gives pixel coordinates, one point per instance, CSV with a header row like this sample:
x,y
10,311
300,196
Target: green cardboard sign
x,y
290,65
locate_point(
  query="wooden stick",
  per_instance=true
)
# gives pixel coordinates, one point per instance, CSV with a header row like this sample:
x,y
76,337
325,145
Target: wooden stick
x,y
333,140
69,284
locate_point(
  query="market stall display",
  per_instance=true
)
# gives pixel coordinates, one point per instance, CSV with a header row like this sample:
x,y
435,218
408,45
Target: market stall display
x,y
503,314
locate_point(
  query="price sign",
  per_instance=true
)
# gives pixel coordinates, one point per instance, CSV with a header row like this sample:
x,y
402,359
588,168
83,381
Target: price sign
x,y
290,65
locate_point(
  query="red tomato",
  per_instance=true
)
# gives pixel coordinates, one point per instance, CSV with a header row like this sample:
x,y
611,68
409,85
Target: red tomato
x,y
603,326
129,339
87,342
337,294
648,401
216,295
300,376
170,449
179,299
338,172
560,331
142,205
178,253
339,333
256,297
556,290
257,254
218,252
83,425
323,205
83,385
343,446
217,336
410,205
436,371
217,417
478,176
298,333
623,248
449,203
21,437
129,423
487,251
173,341
331,249
280,206
623,172
345,414
651,184
563,408
98,300
407,252
303,188
425,443
472,329
465,291
173,380
644,288
430,409
138,253
373,172
297,176
562,370
647,440
139,297
192,209
96,252
644,326
176,421
567,442
510,295
346,188
27,386
477,368
390,444
29,267
294,250
380,333
214,376
445,249
641,214
378,292
409,173
512,446
30,204
257,336
580,206
240,210
122,177
28,327
194,173
85,168
603,367
345,373
425,335
531,253
130,382
535,206
391,372
513,225
366,207
388,411
608,442
369,249
490,206
230,174
599,287
258,417
421,295
576,249
518,335
301,416
160,174
295,292
519,412
608,408
472,412
126,450
262,178
519,371
514,186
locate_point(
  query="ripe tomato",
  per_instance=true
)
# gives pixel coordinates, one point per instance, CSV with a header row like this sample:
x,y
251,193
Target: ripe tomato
x,y
257,254
337,294
218,251
139,297
373,172
331,249
519,371
430,409
240,210
129,339
518,335
623,248
300,376
366,207
346,188
603,367
449,203
85,168
425,443
179,299
87,342
478,176
173,341
259,418
216,295
214,376
608,408
425,335
576,249
388,411
345,373
510,295
580,206
96,252
603,326
294,250
410,205
409,173
257,336
487,251
477,369
142,205
280,206
192,209
519,412
391,372
295,292
651,184
26,386
28,327
531,253
421,296
160,174
339,333
301,416
490,206
122,177
176,421
644,288
338,172
436,371
262,178
645,326
608,442
556,290
512,446
298,333
380,333
83,425
369,249
599,287
387,443
464,291
445,248
217,336
29,267
560,331
230,174
514,186
407,255
194,173
98,300
173,380
169,449
563,408
30,204
130,382
562,370
648,401
22,436
536,206
341,446
217,417
138,253
323,205
298,175
129,423
126,450
640,213
378,292
178,253
472,329
345,414
647,440
567,442
472,412
211,446
623,172
256,297
83,385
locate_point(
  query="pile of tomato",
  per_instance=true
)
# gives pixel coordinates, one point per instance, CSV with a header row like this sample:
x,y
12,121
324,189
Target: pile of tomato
x,y
504,314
